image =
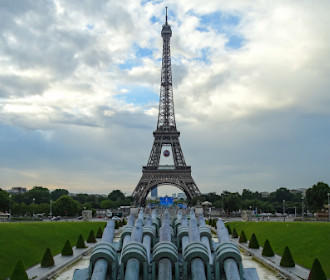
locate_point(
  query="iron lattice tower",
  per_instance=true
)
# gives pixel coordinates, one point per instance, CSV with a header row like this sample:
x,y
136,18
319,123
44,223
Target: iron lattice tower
x,y
153,174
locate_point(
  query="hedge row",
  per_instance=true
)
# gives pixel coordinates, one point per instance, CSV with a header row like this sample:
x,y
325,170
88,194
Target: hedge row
x,y
47,260
316,273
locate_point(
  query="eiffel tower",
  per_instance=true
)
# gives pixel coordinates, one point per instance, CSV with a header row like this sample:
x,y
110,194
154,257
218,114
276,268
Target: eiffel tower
x,y
166,136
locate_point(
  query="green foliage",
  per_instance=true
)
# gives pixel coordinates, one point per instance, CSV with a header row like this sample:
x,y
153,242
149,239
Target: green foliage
x,y
116,195
67,249
287,259
242,237
317,196
212,222
80,242
19,272
267,250
234,234
47,259
99,233
253,244
229,229
317,272
56,194
91,237
40,194
65,206
231,201
4,201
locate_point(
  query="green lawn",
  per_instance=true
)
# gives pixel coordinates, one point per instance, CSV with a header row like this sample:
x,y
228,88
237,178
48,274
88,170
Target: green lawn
x,y
305,240
28,241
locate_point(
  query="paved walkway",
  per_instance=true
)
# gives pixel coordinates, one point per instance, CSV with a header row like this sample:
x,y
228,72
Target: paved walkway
x,y
40,273
294,273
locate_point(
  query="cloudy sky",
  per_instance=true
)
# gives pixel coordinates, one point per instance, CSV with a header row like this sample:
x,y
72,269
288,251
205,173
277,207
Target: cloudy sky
x,y
79,89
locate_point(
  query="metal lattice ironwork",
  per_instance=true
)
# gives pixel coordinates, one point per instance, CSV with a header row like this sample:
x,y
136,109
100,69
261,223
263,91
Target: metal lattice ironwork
x,y
166,134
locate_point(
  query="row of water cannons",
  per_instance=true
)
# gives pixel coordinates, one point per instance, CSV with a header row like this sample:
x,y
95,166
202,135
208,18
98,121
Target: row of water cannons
x,y
159,246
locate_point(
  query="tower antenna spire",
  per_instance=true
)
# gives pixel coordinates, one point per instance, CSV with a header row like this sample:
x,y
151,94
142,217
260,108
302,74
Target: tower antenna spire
x,y
166,16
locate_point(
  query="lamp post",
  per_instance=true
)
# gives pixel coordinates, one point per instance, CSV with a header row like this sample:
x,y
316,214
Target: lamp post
x,y
33,207
295,211
283,207
329,207
302,207
10,206
50,208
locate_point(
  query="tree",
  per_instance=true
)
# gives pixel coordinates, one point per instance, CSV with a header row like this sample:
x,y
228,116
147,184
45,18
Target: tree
x,y
91,237
116,195
249,195
47,259
317,272
19,272
99,233
67,249
55,194
109,204
231,201
242,237
80,242
65,206
287,259
234,234
4,201
316,196
282,194
253,244
267,250
40,194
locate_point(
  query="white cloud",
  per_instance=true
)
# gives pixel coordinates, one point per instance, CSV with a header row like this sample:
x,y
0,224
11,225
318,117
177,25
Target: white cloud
x,y
60,75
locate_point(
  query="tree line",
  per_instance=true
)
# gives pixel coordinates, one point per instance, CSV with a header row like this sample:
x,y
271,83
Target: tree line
x,y
37,200
314,200
59,201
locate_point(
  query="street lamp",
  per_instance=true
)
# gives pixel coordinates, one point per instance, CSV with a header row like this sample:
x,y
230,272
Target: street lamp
x,y
50,208
33,199
329,207
302,207
283,207
9,206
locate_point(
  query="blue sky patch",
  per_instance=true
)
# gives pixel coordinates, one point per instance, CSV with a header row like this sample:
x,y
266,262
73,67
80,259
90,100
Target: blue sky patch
x,y
129,64
137,61
204,56
142,52
90,26
138,95
235,42
219,21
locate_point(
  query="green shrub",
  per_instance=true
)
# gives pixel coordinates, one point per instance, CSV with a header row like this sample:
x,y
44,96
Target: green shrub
x,y
19,272
47,259
91,237
99,233
67,249
80,242
267,250
116,224
242,237
234,234
287,259
229,229
253,244
317,272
